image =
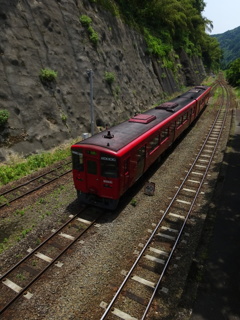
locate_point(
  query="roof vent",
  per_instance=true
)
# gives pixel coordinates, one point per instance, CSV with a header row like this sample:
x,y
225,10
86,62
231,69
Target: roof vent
x,y
168,106
143,118
108,135
201,87
197,89
194,90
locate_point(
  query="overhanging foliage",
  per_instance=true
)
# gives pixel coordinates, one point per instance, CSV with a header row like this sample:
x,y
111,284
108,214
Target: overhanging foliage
x,y
177,25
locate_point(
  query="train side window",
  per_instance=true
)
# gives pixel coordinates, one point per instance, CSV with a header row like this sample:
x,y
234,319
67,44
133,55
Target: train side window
x,y
92,167
77,160
154,143
179,122
109,166
185,117
164,135
141,154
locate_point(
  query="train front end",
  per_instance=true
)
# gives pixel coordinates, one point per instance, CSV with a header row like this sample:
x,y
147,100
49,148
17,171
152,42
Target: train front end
x,y
95,175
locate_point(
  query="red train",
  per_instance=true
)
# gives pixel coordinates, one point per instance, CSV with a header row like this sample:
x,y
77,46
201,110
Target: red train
x,y
107,164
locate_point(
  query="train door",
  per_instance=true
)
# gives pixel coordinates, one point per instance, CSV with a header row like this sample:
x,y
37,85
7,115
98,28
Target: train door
x,y
141,156
78,167
92,172
126,173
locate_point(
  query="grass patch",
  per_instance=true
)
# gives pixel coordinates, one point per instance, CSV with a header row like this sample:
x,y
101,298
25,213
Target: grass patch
x,y
18,168
3,200
133,202
3,245
19,212
237,92
20,276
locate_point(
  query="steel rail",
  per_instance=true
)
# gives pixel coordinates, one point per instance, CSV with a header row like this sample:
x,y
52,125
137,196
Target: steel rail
x,y
49,265
110,305
33,179
34,189
187,216
38,247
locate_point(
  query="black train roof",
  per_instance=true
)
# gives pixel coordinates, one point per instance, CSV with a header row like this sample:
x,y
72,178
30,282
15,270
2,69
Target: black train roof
x,y
122,134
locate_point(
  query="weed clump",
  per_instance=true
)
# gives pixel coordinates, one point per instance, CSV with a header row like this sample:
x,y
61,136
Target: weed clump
x,y
93,35
4,115
47,75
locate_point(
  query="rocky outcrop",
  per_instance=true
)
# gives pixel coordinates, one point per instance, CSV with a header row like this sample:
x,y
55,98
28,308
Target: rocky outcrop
x,y
40,34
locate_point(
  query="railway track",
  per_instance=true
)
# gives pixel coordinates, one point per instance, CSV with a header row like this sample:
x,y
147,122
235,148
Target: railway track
x,y
34,184
17,281
138,301
148,275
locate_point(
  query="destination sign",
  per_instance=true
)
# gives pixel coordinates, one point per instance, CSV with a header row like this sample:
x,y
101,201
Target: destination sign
x,y
108,159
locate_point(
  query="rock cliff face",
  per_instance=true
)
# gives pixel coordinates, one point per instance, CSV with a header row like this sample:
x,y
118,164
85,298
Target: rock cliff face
x,y
39,34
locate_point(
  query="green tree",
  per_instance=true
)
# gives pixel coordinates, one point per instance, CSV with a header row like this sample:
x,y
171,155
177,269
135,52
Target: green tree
x,y
171,24
211,52
233,73
199,5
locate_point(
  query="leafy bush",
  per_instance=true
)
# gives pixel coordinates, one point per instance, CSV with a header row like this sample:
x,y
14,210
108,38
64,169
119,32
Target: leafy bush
x,y
116,92
109,77
4,115
156,46
109,5
233,73
48,75
64,118
85,20
93,35
179,24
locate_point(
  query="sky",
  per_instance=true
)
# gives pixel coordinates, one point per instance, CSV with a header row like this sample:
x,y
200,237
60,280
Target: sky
x,y
225,14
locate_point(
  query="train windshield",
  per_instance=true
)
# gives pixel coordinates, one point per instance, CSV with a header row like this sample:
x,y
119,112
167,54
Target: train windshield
x,y
77,159
109,166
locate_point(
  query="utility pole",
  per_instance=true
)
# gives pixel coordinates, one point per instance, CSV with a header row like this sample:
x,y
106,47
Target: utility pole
x,y
90,75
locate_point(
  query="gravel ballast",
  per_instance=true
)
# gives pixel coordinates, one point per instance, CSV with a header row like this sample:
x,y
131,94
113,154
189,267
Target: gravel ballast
x,y
91,270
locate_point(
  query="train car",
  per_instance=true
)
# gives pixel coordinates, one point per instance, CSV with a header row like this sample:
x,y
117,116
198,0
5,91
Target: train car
x,y
107,164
